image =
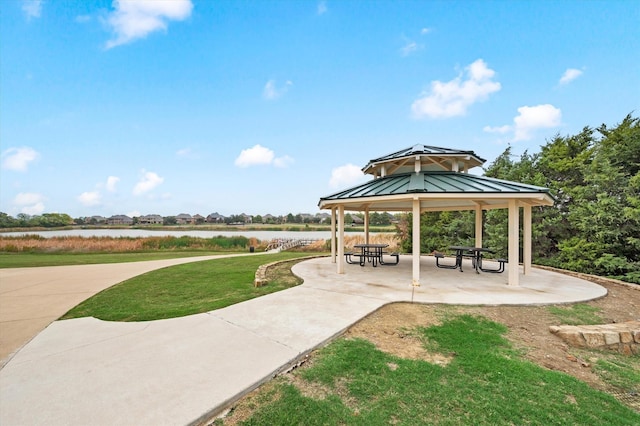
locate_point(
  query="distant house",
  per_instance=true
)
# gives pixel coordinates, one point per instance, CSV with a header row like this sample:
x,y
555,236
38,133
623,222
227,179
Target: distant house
x,y
306,217
357,220
269,218
215,218
246,218
184,219
323,217
120,219
197,218
97,219
151,219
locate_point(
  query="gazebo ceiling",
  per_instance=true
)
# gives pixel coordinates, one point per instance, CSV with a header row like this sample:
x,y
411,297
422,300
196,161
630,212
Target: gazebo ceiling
x,y
436,191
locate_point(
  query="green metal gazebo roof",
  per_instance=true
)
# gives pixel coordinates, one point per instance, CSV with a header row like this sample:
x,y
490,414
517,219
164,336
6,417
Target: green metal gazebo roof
x,y
445,190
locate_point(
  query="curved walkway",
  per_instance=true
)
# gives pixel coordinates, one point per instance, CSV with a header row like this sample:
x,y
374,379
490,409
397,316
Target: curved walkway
x,y
32,298
179,371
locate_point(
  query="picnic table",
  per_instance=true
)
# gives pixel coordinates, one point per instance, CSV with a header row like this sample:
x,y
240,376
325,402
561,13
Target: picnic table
x,y
475,253
371,253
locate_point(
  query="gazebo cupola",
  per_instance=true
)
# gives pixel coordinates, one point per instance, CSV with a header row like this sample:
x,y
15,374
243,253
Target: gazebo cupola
x,y
423,158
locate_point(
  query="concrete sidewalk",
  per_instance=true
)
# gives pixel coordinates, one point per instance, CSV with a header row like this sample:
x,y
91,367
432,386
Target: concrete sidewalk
x,y
179,371
32,298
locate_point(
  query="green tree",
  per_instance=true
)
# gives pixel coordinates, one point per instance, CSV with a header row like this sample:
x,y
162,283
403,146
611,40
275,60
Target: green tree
x,y
7,221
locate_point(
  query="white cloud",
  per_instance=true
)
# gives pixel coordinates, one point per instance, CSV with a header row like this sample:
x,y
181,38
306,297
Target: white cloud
x,y
410,47
425,31
187,154
32,8
272,92
569,75
18,159
283,162
531,118
255,156
92,198
322,8
450,99
260,155
346,175
148,182
498,129
30,203
111,183
134,19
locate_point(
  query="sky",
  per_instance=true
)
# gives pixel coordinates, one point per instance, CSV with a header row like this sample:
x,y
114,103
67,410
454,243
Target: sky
x,y
263,107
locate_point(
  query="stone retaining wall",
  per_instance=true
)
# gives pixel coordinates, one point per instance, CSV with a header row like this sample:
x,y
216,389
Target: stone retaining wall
x,y
622,337
261,273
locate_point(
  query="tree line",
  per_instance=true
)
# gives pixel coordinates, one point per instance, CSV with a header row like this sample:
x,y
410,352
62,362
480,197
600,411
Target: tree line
x,y
594,225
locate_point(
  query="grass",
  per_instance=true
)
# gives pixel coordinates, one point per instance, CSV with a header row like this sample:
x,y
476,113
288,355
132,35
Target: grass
x,y
350,382
620,371
578,314
183,290
24,260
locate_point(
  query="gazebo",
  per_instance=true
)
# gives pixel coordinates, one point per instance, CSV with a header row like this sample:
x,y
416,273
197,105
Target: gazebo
x,y
426,178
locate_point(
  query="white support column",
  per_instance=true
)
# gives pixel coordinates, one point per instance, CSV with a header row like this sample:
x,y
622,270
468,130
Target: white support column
x,y
333,235
340,240
478,225
526,236
366,225
514,238
416,243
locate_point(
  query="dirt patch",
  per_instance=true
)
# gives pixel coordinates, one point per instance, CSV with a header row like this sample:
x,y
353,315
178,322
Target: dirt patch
x,y
389,329
392,330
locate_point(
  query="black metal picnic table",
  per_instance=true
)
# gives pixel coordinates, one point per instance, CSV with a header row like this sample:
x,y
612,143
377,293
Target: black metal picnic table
x,y
371,253
475,253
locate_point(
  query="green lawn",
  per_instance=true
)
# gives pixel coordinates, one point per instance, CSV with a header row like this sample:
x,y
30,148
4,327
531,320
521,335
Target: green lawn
x,y
23,260
182,290
350,382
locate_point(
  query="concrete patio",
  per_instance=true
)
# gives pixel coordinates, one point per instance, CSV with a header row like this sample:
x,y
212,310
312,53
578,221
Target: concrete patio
x,y
182,370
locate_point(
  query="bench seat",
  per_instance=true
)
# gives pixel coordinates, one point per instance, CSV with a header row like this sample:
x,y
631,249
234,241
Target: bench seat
x,y
500,269
394,254
439,256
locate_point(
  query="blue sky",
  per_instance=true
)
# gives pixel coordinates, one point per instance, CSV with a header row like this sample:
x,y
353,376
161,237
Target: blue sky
x,y
200,106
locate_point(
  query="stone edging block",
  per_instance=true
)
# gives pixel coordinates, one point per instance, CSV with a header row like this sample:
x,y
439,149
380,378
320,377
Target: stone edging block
x,y
623,337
